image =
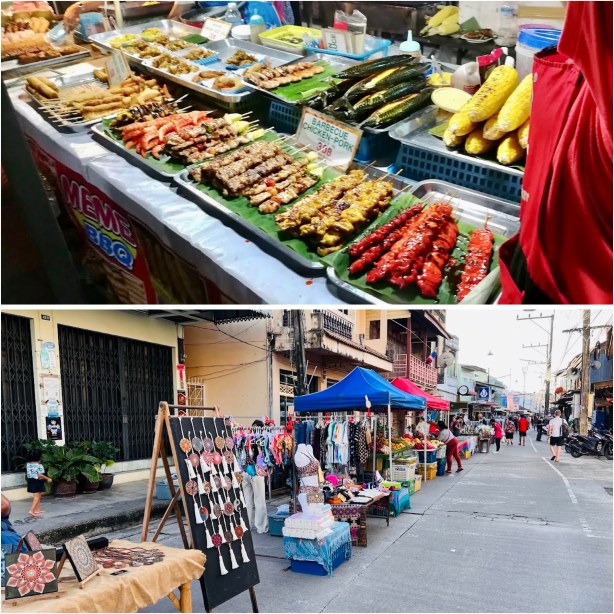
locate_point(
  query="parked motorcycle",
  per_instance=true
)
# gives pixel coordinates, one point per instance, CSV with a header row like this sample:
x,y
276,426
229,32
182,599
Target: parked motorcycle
x,y
593,444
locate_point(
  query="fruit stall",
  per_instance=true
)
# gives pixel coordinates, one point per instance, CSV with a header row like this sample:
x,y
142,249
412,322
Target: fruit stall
x,y
181,159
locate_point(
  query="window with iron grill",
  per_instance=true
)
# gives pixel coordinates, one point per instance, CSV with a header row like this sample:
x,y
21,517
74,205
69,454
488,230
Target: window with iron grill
x,y
18,400
111,388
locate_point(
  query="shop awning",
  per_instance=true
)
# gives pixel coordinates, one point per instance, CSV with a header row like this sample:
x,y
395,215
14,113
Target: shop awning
x,y
432,402
349,394
217,316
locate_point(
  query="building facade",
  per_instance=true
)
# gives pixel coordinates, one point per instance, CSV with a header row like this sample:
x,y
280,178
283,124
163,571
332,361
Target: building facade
x,y
82,375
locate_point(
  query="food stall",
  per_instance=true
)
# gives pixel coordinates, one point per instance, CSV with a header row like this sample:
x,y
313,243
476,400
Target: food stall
x,y
135,141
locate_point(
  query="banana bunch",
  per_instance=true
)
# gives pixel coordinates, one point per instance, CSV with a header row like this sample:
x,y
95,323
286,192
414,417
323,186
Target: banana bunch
x,y
444,22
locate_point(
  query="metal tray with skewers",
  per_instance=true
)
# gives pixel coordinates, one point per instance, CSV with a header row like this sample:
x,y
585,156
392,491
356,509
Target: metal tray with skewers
x,y
296,252
472,210
63,112
162,168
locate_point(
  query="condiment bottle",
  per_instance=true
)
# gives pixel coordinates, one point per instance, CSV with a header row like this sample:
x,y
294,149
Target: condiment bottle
x,y
410,46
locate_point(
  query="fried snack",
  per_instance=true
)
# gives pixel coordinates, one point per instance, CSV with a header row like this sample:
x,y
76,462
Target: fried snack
x,y
227,83
101,75
40,88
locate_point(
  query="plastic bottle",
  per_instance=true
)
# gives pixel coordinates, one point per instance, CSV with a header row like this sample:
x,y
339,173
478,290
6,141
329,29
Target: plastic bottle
x,y
410,46
256,27
467,78
508,30
233,15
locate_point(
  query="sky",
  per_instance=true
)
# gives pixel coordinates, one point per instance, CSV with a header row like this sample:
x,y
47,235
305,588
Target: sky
x,y
497,330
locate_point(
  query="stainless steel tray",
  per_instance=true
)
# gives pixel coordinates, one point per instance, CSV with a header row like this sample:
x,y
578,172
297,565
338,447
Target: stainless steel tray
x,y
78,124
130,155
335,61
421,138
471,207
12,68
287,255
167,26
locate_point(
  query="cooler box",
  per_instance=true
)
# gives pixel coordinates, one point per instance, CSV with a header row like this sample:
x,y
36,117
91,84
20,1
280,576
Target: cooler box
x,y
313,568
276,524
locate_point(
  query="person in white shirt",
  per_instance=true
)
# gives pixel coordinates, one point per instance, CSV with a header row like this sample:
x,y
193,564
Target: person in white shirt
x,y
422,428
555,432
447,437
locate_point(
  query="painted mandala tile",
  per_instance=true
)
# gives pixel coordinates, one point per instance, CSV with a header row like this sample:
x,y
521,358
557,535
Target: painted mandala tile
x,y
31,573
81,557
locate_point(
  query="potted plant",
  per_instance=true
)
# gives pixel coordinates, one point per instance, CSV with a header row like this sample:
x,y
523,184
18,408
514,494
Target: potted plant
x,y
64,465
105,452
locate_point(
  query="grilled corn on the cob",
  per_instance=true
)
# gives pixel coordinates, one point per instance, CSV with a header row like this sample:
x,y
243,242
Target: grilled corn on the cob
x,y
460,124
509,150
491,131
523,134
439,17
476,144
517,107
492,95
451,140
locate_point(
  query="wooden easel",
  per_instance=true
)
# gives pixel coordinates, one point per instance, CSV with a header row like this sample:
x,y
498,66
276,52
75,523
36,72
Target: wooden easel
x,y
81,583
160,452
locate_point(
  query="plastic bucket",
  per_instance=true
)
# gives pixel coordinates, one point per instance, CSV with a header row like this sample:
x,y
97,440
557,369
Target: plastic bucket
x,y
530,42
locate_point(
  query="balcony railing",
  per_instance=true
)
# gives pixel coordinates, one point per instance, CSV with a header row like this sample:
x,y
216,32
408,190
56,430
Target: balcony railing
x,y
334,323
422,374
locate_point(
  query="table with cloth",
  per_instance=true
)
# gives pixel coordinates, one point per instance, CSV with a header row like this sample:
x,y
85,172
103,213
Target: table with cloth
x,y
130,592
324,551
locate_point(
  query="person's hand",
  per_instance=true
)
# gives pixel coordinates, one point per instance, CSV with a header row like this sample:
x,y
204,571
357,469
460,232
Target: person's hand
x,y
71,17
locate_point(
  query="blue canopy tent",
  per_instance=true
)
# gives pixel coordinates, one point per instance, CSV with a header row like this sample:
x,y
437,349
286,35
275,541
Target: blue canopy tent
x,y
359,389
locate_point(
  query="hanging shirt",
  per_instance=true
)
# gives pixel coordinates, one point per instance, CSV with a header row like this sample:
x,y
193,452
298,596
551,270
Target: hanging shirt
x,y
563,253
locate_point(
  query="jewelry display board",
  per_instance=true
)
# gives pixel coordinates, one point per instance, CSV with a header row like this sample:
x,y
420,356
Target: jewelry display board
x,y
210,479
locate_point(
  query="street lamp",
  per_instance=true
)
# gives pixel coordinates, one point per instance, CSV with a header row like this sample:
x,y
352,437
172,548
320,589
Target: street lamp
x,y
490,353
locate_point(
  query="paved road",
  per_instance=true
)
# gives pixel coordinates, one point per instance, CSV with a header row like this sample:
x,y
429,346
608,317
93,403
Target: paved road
x,y
511,533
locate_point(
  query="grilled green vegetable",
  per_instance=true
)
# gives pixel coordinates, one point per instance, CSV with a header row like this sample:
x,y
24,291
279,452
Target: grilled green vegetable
x,y
369,103
398,110
372,67
383,80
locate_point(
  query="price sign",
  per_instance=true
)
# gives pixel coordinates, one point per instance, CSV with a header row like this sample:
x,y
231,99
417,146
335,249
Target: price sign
x,y
215,29
335,141
117,68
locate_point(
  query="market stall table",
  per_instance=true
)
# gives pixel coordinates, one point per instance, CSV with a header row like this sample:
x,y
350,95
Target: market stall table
x,y
171,229
130,592
328,553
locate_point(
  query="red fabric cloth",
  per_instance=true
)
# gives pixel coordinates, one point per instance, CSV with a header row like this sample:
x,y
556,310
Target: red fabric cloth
x,y
498,431
452,452
566,204
523,425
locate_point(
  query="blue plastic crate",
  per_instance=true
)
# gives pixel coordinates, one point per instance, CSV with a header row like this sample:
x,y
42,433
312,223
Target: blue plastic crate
x,y
421,164
315,569
286,117
431,456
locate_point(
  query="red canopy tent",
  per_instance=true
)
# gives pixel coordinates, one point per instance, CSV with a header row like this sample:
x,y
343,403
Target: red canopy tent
x,y
432,402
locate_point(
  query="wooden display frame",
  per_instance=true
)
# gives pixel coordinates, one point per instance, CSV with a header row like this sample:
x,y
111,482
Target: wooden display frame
x,y
163,425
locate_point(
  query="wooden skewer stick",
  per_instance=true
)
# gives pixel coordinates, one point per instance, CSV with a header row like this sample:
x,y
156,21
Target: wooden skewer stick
x,y
486,218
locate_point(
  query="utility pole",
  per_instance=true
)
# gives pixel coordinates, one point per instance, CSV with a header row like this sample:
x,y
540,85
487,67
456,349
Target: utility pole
x,y
586,366
299,351
549,355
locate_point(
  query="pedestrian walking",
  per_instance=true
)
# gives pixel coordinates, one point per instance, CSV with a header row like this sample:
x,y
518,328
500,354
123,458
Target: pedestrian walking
x,y
498,435
555,432
254,487
447,437
523,427
454,427
509,432
35,476
539,425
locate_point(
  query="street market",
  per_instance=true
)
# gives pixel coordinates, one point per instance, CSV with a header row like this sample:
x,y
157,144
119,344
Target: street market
x,y
178,150
195,501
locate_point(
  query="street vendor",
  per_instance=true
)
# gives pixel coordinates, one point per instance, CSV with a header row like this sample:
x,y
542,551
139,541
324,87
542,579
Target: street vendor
x,y
446,436
563,253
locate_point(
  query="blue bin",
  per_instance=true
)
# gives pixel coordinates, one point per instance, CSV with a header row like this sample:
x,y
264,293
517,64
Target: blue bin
x,y
431,456
163,492
441,466
313,568
276,524
421,164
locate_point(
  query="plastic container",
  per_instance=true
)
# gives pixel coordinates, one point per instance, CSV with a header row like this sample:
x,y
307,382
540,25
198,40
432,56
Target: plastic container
x,y
410,46
417,483
315,569
431,456
530,42
441,466
256,28
281,38
402,472
467,78
507,30
233,15
373,46
163,492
